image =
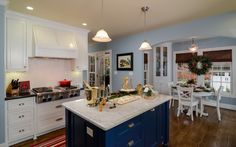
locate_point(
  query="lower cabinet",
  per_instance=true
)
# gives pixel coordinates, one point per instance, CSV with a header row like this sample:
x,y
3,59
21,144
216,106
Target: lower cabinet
x,y
19,119
149,129
50,116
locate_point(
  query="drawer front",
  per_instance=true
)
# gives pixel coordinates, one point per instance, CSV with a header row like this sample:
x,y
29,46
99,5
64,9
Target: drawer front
x,y
20,131
20,104
51,115
132,138
20,116
51,123
128,126
51,107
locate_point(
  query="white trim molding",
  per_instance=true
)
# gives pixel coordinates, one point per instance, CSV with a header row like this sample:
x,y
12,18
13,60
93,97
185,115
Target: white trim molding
x,y
3,145
4,3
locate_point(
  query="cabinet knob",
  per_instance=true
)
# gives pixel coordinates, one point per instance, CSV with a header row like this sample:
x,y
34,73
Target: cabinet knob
x,y
131,125
131,143
19,116
153,110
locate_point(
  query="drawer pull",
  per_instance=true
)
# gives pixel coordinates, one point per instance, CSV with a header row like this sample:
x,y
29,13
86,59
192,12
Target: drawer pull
x,y
59,106
131,125
21,104
153,110
131,143
21,116
59,119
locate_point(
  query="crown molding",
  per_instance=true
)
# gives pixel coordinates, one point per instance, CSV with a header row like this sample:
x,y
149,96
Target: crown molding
x,y
3,2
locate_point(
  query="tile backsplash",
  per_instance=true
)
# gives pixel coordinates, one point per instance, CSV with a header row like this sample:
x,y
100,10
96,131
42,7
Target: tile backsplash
x,y
47,72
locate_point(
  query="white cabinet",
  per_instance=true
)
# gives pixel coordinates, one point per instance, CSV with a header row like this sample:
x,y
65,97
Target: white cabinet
x,y
162,67
81,63
50,116
20,119
16,44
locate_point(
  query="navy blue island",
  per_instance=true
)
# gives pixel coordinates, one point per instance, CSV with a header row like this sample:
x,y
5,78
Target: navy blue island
x,y
141,123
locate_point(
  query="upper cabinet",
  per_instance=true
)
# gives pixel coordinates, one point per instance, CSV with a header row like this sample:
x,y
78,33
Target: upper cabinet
x,y
162,67
28,36
16,44
81,62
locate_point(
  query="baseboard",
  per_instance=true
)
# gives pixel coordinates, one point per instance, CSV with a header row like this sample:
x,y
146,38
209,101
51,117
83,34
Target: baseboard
x,y
223,105
3,145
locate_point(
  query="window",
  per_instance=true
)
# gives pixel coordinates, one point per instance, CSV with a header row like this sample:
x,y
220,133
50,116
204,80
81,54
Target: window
x,y
220,76
183,74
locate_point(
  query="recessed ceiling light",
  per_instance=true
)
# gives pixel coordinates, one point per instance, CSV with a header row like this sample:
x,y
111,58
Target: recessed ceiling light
x,y
84,24
30,8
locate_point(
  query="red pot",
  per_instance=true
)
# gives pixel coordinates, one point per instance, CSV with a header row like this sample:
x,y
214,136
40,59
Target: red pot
x,y
64,83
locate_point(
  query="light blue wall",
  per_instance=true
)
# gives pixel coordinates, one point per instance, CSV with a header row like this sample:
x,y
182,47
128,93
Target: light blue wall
x,y
205,43
2,74
222,25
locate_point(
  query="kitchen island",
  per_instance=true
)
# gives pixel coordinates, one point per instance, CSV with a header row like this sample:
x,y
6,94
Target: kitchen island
x,y
141,123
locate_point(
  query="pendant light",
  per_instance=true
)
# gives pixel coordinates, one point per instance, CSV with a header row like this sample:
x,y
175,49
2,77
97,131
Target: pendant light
x,y
101,35
193,47
145,46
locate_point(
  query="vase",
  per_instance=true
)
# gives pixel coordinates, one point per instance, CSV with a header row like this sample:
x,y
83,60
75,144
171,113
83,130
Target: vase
x,y
200,80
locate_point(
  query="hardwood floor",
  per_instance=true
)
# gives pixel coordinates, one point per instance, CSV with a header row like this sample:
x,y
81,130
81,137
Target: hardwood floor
x,y
202,132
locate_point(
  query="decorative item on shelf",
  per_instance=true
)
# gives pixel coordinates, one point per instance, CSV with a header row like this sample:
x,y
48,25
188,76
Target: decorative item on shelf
x,y
101,35
139,89
148,92
145,46
91,93
126,86
102,103
13,88
24,87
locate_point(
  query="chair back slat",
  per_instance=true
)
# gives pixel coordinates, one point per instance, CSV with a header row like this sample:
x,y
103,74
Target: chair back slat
x,y
185,93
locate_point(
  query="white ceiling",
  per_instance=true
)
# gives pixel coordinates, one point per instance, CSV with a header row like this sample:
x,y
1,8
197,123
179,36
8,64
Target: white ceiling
x,y
122,17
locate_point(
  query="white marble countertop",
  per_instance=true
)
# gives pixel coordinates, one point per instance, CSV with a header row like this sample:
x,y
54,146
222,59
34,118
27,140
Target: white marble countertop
x,y
110,118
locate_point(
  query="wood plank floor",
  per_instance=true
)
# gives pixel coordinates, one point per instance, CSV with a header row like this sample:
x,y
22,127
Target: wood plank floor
x,y
202,132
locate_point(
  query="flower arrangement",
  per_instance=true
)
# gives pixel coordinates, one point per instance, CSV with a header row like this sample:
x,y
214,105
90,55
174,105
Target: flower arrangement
x,y
148,91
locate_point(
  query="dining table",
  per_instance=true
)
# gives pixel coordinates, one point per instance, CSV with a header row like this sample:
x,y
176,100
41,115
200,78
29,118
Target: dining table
x,y
201,94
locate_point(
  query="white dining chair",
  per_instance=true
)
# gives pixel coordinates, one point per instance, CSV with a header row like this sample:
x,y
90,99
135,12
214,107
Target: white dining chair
x,y
215,102
173,93
186,98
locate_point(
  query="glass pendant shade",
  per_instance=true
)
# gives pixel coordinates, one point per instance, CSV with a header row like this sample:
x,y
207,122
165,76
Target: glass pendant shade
x,y
193,47
101,36
145,46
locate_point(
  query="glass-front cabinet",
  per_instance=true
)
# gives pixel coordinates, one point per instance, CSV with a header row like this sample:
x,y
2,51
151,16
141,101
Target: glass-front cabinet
x,y
92,70
162,67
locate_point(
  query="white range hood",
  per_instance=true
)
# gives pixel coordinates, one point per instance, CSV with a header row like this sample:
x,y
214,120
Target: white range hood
x,y
54,43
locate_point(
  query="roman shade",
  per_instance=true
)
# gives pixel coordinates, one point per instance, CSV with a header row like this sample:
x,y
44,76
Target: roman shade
x,y
219,56
184,57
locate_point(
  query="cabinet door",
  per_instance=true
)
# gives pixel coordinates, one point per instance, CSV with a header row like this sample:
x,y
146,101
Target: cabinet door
x,y
162,67
150,123
16,53
162,114
81,63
